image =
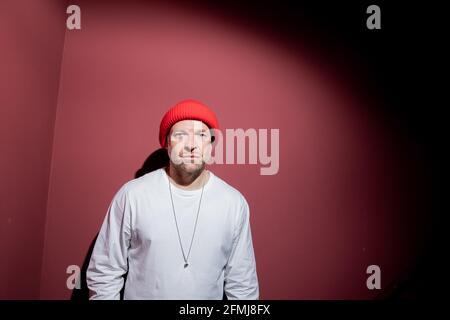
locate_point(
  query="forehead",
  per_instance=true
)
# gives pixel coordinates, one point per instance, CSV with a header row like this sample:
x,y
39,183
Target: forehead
x,y
189,125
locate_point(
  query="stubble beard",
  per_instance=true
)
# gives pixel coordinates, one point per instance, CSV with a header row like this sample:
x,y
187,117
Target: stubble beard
x,y
190,169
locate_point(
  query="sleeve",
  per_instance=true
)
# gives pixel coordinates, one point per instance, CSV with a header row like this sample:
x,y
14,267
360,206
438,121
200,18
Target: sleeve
x,y
241,281
109,260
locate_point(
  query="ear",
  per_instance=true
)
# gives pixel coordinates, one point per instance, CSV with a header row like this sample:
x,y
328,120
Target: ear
x,y
213,135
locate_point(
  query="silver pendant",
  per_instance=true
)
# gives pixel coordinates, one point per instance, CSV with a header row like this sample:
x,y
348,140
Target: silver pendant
x,y
185,265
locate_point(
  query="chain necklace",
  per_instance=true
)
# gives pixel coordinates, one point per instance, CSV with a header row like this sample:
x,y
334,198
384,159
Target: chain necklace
x,y
185,258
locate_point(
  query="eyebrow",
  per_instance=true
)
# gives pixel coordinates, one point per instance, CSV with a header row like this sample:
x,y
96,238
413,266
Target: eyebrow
x,y
184,131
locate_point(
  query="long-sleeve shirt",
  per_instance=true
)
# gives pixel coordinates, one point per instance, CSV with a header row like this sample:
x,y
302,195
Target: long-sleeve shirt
x,y
139,236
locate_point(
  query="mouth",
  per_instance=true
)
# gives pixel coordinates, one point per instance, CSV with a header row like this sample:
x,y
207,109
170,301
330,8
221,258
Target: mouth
x,y
191,157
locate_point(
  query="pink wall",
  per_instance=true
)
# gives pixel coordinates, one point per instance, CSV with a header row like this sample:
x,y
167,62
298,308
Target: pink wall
x,y
31,37
338,203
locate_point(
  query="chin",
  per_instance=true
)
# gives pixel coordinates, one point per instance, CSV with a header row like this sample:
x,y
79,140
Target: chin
x,y
192,167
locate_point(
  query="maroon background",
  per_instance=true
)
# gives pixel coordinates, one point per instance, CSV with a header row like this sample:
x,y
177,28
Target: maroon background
x,y
80,114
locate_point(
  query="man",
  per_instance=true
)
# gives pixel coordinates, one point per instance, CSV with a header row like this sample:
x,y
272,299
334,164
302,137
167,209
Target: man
x,y
180,232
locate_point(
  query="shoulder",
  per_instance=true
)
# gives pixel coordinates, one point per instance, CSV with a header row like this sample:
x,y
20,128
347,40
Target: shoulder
x,y
230,193
138,185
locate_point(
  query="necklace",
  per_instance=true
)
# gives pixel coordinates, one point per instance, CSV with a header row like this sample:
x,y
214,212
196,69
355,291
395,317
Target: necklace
x,y
185,258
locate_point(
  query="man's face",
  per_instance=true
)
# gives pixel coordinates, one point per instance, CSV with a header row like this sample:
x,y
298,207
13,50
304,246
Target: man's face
x,y
189,145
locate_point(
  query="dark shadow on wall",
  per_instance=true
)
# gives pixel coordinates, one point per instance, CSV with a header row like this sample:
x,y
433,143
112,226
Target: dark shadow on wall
x,y
83,292
158,159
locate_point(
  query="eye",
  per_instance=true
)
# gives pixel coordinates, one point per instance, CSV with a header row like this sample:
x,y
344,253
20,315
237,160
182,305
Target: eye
x,y
201,134
179,136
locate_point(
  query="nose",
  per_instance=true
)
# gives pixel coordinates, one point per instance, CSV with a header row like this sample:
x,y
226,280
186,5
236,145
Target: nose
x,y
189,147
190,144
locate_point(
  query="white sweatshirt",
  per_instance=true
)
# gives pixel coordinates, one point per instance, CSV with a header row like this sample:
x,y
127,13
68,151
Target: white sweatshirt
x,y
139,235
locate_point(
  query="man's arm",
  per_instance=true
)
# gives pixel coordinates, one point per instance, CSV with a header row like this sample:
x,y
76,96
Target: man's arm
x,y
241,281
108,262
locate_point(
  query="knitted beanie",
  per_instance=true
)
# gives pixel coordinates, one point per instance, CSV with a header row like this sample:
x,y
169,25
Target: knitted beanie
x,y
186,110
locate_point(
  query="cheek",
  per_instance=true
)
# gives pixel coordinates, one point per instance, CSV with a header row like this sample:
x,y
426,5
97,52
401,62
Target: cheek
x,y
206,148
174,150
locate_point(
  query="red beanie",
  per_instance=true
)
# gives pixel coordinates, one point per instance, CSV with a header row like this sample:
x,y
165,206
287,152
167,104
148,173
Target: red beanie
x,y
186,110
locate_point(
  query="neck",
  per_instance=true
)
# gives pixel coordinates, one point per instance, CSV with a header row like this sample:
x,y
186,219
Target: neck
x,y
187,180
